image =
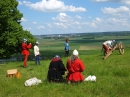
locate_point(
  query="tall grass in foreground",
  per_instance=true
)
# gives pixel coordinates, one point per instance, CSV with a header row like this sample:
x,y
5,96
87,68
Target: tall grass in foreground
x,y
113,78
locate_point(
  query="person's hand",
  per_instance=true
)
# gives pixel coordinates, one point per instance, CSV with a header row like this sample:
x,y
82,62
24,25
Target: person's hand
x,y
66,72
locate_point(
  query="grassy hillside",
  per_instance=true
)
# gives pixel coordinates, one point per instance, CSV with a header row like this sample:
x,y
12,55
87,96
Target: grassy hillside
x,y
113,76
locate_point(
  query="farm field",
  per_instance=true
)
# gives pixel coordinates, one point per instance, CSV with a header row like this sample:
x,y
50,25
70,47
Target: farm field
x,y
50,47
112,74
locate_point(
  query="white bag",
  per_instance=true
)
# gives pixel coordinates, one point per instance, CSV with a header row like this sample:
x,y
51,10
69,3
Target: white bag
x,y
32,81
90,78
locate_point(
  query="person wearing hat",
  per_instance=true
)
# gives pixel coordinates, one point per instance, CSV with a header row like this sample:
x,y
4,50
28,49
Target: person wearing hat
x,y
56,70
37,53
75,66
67,48
25,51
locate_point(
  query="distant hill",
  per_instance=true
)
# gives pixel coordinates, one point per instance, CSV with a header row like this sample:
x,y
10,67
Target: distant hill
x,y
92,34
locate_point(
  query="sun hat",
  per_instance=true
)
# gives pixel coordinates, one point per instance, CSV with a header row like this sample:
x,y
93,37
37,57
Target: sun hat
x,y
24,40
75,52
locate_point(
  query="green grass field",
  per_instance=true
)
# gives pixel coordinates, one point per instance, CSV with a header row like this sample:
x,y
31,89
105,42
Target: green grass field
x,y
113,74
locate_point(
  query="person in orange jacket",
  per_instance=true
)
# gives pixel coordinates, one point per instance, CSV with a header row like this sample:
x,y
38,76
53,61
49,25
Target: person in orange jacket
x,y
25,51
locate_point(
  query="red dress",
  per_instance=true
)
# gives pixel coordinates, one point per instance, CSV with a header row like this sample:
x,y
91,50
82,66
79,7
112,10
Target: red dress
x,y
75,68
25,48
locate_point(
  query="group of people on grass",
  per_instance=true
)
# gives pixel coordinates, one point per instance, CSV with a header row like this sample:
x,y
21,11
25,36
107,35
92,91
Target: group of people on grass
x,y
26,47
74,65
57,69
73,70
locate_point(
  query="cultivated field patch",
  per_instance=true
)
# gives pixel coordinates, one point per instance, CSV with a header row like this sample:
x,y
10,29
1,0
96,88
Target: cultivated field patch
x,y
89,47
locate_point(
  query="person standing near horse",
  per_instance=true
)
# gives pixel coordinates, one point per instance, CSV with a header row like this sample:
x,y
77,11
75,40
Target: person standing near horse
x,y
37,53
25,51
67,48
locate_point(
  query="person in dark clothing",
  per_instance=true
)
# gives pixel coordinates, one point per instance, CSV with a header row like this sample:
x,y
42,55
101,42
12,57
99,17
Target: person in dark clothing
x,y
56,70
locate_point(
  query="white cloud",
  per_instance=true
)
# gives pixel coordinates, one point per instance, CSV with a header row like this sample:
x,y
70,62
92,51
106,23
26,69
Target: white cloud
x,y
62,20
109,24
49,25
127,2
78,17
49,30
60,25
115,11
89,17
34,23
53,6
108,0
77,23
101,0
90,24
23,19
28,28
98,20
62,17
40,27
20,3
93,25
114,21
79,27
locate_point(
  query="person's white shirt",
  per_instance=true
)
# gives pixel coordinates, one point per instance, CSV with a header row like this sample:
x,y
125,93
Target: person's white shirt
x,y
108,43
36,50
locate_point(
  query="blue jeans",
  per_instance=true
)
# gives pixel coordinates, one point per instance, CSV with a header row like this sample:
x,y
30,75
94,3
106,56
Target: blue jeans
x,y
37,59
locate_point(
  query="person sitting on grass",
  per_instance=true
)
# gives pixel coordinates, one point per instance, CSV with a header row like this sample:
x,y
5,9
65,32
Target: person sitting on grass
x,y
74,66
56,70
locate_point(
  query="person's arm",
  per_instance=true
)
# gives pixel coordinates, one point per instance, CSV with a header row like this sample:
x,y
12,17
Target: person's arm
x,y
61,67
68,63
29,46
81,66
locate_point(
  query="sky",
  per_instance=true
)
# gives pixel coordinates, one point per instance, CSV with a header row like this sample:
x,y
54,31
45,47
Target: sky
x,y
43,17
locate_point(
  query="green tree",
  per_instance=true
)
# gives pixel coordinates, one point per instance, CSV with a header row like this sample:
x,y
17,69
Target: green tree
x,y
11,32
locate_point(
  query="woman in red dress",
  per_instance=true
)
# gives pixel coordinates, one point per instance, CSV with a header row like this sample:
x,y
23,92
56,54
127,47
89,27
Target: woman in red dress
x,y
25,51
75,66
